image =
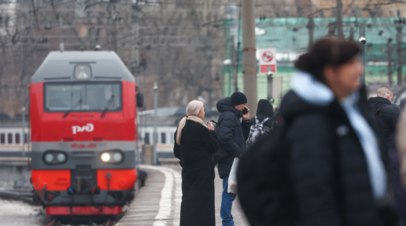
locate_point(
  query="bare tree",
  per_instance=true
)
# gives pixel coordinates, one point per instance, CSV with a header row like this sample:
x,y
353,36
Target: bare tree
x,y
183,43
177,43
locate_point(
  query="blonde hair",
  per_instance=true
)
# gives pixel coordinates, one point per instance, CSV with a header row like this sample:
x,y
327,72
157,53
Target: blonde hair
x,y
194,107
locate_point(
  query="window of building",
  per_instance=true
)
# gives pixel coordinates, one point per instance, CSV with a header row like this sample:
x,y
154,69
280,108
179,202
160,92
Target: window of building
x,y
17,138
9,138
147,138
2,138
163,138
25,138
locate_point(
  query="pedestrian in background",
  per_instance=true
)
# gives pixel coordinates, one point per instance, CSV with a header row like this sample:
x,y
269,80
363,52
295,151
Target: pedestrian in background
x,y
332,172
402,104
401,146
262,123
195,144
234,119
386,117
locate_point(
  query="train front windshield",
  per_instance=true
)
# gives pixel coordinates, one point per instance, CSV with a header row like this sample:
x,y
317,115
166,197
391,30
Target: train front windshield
x,y
82,97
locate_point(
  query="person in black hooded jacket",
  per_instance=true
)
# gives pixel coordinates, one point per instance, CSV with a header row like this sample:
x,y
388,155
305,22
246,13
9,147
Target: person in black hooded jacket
x,y
262,123
231,133
335,172
386,115
386,118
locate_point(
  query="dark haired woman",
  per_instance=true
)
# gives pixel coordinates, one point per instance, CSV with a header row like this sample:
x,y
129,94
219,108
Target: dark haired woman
x,y
337,177
262,123
338,174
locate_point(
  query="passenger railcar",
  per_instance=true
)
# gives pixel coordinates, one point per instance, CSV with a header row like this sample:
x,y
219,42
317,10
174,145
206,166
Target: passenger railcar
x,y
83,133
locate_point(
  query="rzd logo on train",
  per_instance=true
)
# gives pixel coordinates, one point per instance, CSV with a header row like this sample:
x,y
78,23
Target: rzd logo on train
x,y
89,127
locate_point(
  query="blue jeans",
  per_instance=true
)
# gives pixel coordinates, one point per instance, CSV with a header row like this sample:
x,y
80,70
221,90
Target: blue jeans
x,y
226,205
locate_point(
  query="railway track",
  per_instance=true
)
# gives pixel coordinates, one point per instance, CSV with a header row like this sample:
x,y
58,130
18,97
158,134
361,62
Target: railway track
x,y
56,222
26,196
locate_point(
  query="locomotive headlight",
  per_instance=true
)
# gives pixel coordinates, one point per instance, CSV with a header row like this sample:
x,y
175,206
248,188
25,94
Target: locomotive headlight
x,y
49,157
83,72
105,157
53,157
112,156
61,157
117,157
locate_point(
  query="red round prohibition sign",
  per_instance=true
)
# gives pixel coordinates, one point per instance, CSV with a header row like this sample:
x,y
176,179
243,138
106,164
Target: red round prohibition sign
x,y
267,56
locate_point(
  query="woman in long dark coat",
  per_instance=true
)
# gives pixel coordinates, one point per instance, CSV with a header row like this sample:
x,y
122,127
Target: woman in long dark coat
x,y
194,146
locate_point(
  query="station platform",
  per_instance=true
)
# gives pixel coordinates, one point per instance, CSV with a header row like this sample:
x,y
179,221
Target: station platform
x,y
158,203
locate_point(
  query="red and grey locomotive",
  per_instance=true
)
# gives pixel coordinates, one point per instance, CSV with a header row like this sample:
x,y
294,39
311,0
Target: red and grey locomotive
x,y
83,133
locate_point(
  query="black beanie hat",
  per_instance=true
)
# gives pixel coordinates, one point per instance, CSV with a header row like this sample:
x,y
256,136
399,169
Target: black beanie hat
x,y
238,98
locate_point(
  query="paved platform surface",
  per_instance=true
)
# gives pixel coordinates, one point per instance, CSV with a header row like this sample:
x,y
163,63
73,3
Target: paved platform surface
x,y
158,203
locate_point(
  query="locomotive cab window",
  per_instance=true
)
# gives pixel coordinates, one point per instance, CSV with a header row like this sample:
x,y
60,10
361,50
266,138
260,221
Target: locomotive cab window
x,y
82,97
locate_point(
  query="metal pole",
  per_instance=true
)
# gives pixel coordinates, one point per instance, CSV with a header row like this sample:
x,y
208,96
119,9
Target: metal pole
x,y
399,40
228,72
339,18
364,63
155,133
310,27
270,85
390,79
22,139
236,66
249,51
363,41
229,91
139,131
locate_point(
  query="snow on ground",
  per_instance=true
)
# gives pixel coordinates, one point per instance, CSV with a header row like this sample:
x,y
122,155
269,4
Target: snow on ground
x,y
14,213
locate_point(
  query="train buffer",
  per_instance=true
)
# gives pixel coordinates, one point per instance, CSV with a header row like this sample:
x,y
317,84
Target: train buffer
x,y
158,203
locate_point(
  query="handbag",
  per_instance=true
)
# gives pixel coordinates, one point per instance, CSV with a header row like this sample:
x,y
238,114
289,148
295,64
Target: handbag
x,y
232,178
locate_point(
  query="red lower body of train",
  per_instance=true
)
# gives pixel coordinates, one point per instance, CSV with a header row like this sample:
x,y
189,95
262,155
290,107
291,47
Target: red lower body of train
x,y
62,196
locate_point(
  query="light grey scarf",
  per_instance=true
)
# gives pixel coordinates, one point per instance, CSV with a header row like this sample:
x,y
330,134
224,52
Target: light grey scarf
x,y
182,124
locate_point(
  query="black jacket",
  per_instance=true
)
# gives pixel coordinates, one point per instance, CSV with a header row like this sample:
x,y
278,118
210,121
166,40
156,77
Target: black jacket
x,y
266,129
329,171
386,115
197,147
264,111
231,135
268,124
195,152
